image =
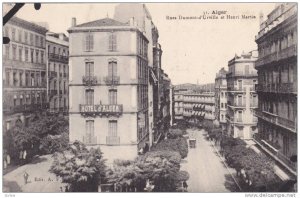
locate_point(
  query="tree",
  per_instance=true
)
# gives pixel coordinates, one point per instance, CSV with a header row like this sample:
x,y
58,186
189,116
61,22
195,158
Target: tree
x,y
180,145
83,169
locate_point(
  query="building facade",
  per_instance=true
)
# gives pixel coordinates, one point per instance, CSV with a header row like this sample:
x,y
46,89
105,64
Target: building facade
x,y
277,83
24,72
221,97
57,46
109,103
159,83
242,99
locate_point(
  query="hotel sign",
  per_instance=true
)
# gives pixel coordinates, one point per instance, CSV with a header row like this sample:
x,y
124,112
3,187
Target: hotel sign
x,y
100,109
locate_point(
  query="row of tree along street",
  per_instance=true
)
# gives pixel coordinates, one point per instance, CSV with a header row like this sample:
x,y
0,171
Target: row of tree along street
x,y
254,171
83,169
158,170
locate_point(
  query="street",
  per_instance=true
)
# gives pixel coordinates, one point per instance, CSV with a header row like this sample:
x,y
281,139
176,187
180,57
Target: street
x,y
39,180
206,170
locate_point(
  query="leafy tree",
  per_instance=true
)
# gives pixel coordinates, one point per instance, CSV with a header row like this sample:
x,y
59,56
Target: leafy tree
x,y
180,145
81,168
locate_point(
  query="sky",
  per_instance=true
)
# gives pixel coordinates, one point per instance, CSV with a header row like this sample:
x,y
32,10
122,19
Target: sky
x,y
194,50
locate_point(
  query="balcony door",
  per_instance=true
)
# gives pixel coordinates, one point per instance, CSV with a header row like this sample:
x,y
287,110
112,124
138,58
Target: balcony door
x,y
89,69
112,68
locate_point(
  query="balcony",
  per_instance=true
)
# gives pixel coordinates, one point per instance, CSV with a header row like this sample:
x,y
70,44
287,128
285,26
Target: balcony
x,y
58,58
112,80
276,56
52,93
101,110
52,74
112,140
277,88
89,80
275,119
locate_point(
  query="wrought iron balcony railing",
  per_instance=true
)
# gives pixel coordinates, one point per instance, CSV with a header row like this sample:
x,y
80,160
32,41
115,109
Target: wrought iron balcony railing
x,y
89,80
112,80
112,140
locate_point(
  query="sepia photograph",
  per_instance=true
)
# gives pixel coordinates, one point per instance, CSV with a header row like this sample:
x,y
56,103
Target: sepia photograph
x,y
150,97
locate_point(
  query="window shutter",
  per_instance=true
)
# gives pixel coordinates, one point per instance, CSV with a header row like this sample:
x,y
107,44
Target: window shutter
x,y
114,42
91,40
110,42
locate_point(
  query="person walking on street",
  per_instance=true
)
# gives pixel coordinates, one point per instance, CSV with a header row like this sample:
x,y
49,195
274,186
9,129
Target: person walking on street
x,y
26,175
185,185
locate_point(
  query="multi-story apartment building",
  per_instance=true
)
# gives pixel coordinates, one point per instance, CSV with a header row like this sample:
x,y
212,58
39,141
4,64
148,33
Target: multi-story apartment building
x,y
192,106
277,83
108,103
24,71
221,97
57,71
242,99
198,106
159,83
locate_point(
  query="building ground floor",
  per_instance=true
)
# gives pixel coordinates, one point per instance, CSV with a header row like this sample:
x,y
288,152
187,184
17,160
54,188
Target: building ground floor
x,y
119,137
242,131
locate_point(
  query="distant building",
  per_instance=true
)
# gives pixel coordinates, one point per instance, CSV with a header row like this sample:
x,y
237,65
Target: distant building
x,y
277,84
192,106
57,71
24,72
242,99
221,97
109,103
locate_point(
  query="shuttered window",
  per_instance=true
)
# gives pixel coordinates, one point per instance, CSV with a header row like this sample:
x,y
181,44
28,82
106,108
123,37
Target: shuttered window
x,y
112,42
89,131
113,131
89,96
89,42
89,68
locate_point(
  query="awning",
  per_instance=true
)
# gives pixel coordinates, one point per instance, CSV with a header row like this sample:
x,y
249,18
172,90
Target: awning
x,y
153,76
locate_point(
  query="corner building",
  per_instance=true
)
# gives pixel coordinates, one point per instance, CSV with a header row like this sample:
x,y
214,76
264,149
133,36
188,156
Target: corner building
x,y
277,83
242,99
108,87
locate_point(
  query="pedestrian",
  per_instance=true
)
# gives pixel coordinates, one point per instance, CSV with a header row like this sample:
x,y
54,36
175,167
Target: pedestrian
x,y
185,185
61,189
26,175
8,159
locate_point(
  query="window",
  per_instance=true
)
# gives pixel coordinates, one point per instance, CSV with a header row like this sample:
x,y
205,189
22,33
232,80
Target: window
x,y
26,37
42,42
36,40
21,78
42,56
89,96
31,54
7,77
89,42
112,97
113,131
37,56
20,35
26,54
20,53
54,50
112,42
89,68
112,68
14,52
89,131
32,79
7,51
31,39
13,34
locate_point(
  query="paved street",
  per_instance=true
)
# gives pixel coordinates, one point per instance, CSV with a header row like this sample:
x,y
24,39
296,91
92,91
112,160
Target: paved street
x,y
207,172
40,180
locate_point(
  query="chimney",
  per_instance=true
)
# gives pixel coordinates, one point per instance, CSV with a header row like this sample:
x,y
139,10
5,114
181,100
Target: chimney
x,y
73,22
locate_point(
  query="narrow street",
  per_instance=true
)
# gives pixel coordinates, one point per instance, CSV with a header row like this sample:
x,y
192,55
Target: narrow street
x,y
206,170
40,180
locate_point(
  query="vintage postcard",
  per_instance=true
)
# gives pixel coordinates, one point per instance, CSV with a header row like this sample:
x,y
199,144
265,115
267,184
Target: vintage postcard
x,y
149,97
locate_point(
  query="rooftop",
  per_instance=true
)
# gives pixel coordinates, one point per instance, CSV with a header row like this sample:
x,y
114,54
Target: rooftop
x,y
102,22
